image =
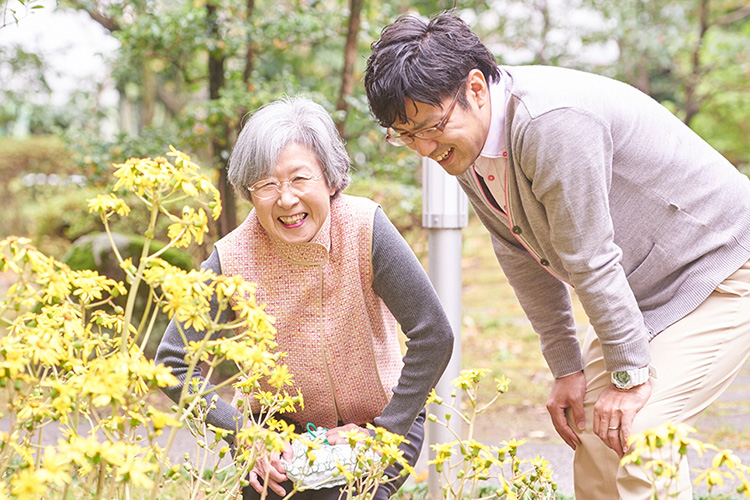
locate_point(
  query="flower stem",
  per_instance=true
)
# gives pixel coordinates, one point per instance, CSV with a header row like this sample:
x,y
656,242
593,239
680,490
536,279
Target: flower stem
x,y
138,276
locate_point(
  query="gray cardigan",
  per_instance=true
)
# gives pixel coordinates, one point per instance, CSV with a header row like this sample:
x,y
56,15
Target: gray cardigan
x,y
611,193
401,282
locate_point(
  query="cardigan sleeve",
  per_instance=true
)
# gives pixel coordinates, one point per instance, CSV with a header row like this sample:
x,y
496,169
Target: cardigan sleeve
x,y
567,155
545,299
171,353
402,283
546,303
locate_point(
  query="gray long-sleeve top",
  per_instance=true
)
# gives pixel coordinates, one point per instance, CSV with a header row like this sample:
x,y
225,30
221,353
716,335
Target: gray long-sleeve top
x,y
400,281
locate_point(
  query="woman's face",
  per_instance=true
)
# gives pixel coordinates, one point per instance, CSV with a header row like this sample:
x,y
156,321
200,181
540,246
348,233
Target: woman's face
x,y
295,215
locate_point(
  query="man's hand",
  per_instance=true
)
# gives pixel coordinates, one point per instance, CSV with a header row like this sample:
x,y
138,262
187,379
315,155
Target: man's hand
x,y
271,471
614,413
334,437
568,392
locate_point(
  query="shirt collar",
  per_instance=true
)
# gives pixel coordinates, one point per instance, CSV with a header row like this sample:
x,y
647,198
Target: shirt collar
x,y
494,144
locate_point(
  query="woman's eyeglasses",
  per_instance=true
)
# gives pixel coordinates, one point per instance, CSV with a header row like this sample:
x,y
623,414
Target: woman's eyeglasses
x,y
267,189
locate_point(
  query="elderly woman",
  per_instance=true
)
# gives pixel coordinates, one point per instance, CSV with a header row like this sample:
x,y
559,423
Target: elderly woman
x,y
338,277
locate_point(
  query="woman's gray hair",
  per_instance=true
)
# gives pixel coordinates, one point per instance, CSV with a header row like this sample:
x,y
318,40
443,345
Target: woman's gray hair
x,y
285,121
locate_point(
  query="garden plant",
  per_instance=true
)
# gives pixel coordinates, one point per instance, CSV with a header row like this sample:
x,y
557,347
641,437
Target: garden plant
x,y
76,383
80,415
668,444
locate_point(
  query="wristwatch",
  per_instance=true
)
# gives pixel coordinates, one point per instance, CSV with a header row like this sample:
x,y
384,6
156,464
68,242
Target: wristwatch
x,y
627,379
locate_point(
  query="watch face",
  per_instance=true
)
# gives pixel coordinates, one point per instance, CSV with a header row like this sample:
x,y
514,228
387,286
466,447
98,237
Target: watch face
x,y
621,378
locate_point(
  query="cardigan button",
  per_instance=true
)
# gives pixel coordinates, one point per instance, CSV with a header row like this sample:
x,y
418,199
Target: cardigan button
x,y
544,262
517,230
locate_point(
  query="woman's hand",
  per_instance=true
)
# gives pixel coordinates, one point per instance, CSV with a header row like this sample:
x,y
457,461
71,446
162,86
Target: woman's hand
x,y
334,435
271,471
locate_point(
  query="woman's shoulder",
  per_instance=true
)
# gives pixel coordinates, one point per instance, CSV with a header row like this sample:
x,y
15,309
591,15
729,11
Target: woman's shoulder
x,y
350,203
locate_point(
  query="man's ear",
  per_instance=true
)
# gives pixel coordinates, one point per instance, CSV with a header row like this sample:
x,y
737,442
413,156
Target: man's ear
x,y
476,88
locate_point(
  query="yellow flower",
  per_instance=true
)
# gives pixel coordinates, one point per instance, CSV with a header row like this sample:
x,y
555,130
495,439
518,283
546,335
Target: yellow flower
x,y
281,426
280,376
90,285
653,439
54,470
159,420
107,380
434,398
27,485
712,477
105,320
726,457
443,452
468,378
131,466
192,226
218,431
503,384
108,204
33,409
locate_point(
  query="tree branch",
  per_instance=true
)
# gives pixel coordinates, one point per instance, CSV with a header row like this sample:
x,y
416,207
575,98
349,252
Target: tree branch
x,y
108,23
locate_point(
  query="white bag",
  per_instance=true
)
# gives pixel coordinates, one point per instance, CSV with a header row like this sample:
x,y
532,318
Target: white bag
x,y
320,474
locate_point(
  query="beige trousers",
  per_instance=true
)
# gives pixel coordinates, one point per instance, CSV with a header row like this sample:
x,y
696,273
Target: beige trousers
x,y
694,361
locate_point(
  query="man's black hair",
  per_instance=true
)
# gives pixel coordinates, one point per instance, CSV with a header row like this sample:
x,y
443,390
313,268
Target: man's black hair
x,y
423,62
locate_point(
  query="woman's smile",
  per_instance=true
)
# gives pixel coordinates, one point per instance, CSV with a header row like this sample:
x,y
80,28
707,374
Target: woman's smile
x,y
292,221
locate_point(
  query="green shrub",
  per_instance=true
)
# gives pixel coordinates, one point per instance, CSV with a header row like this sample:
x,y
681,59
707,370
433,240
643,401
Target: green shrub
x,y
45,154
26,166
401,203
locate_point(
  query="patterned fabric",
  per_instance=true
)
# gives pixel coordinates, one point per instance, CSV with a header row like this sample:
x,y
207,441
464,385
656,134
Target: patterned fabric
x,y
340,339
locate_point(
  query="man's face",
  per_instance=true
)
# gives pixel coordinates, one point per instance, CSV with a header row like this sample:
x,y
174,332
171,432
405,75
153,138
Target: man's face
x,y
464,132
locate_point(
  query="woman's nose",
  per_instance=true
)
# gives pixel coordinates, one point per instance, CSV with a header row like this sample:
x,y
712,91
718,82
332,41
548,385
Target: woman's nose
x,y
287,196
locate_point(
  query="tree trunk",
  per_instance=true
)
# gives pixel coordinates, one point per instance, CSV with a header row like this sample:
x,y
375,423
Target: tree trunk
x,y
692,100
249,62
220,134
250,54
148,96
350,58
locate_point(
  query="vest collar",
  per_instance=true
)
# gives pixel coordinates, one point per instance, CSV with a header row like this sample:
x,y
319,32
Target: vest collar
x,y
313,253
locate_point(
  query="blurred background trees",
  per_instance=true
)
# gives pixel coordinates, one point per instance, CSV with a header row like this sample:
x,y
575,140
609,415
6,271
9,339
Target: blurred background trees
x,y
186,72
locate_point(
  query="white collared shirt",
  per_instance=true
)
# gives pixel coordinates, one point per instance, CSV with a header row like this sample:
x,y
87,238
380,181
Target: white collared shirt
x,y
493,159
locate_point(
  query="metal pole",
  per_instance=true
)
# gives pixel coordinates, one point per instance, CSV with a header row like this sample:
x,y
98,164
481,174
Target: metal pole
x,y
444,212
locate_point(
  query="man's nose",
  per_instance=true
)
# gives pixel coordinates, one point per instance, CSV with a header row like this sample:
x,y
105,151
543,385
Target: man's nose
x,y
423,146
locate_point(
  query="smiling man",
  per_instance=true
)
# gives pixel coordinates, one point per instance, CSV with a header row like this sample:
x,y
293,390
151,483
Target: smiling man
x,y
585,181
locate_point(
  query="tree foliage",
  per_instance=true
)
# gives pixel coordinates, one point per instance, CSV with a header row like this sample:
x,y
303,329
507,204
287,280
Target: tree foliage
x,y
188,71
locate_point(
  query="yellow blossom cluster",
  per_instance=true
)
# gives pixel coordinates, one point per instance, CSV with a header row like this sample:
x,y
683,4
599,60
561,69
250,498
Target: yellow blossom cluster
x,y
466,465
72,364
62,371
659,453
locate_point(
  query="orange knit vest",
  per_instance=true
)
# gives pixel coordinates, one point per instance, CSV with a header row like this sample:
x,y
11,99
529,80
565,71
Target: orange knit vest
x,y
340,339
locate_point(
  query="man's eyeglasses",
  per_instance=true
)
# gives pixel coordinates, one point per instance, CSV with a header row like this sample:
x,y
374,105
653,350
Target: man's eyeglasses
x,y
267,189
426,133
